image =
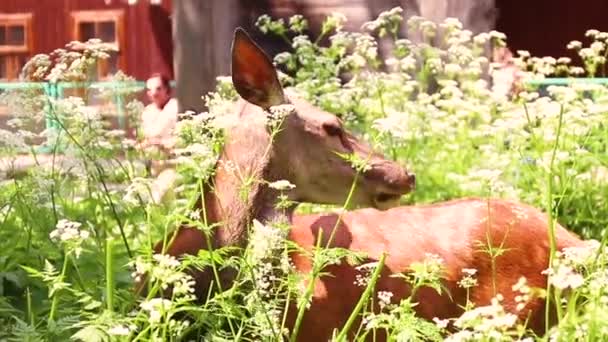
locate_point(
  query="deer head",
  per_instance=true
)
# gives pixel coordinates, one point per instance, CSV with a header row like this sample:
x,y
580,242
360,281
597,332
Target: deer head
x,y
308,150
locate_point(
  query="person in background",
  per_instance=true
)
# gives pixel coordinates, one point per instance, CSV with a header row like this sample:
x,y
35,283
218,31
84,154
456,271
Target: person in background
x,y
507,76
158,121
159,118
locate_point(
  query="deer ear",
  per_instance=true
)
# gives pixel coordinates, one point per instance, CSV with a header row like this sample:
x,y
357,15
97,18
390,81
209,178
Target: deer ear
x,y
253,75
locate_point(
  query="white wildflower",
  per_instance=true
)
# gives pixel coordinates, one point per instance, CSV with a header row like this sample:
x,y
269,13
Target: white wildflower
x,y
139,189
265,239
184,287
441,323
461,336
587,53
165,260
128,143
581,255
497,35
591,33
69,232
281,185
362,279
525,293
453,23
335,20
575,45
156,308
469,271
481,38
521,285
452,68
428,27
281,111
468,280
119,330
384,298
598,47
564,277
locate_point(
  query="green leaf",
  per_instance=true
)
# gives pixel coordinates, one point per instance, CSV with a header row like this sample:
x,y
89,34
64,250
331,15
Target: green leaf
x,y
90,334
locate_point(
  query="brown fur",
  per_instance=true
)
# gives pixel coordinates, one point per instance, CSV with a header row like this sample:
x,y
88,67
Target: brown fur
x,y
455,230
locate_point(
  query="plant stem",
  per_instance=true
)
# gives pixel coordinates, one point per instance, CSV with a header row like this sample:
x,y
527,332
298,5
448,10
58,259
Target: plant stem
x,y
308,293
109,275
552,242
55,296
30,311
363,300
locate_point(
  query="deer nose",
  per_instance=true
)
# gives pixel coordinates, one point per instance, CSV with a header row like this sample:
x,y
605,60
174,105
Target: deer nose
x,y
402,183
391,177
412,181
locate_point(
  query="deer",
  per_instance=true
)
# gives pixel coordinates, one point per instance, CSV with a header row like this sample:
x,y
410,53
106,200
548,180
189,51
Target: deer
x,y
307,152
452,230
457,231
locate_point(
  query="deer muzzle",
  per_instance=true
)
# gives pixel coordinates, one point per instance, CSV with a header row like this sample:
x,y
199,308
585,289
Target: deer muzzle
x,y
389,182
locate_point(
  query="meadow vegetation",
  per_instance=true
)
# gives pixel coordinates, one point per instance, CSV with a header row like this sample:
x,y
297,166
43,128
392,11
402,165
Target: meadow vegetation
x,y
75,233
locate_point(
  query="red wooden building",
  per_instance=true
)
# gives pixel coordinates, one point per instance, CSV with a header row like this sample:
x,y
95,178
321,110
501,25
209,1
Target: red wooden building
x,y
141,33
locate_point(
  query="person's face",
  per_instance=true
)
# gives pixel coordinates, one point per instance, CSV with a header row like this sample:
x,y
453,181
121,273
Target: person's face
x,y
157,92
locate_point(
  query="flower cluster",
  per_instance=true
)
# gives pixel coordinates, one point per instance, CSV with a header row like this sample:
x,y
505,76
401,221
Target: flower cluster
x,y
468,280
490,322
70,235
165,270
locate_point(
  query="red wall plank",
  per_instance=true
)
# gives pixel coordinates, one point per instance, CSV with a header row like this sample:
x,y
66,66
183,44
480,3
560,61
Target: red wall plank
x,y
148,44
544,27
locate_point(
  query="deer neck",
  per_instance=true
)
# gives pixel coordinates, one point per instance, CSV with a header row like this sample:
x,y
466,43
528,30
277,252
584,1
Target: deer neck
x,y
238,193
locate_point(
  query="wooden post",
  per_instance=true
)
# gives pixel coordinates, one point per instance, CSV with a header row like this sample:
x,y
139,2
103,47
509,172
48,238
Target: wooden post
x,y
202,33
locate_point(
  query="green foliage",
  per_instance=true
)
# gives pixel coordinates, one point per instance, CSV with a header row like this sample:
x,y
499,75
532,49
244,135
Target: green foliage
x,y
435,104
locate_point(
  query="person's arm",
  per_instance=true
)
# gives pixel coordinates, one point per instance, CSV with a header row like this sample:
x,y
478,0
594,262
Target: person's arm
x,y
171,111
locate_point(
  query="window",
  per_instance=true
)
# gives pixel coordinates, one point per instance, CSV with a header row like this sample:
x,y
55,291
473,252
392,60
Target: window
x,y
107,25
15,43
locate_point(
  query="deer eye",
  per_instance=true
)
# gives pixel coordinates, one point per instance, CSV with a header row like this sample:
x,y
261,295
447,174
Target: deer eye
x,y
332,129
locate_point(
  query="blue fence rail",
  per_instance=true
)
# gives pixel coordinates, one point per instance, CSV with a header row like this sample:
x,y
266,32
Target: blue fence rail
x,y
566,81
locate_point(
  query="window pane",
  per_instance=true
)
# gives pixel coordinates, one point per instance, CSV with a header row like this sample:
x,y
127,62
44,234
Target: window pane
x,y
2,35
16,35
107,31
87,31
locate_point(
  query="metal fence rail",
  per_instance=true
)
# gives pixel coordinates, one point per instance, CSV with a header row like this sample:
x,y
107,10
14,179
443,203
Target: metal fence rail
x,y
567,81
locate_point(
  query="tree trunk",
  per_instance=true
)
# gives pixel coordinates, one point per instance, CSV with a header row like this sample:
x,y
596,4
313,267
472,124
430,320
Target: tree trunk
x,y
475,15
202,32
